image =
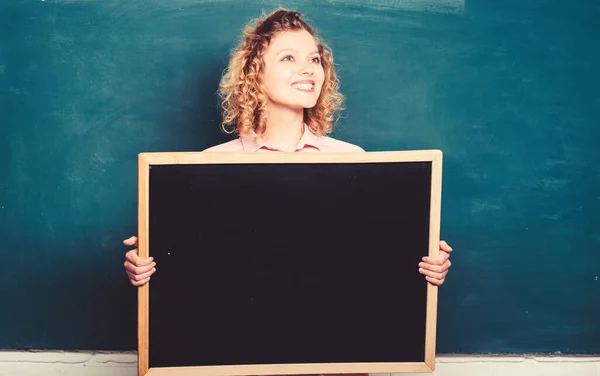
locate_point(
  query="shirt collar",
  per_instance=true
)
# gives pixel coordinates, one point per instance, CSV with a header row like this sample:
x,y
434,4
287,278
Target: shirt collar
x,y
308,139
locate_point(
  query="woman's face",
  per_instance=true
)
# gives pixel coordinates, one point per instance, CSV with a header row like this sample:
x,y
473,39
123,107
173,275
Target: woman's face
x,y
293,75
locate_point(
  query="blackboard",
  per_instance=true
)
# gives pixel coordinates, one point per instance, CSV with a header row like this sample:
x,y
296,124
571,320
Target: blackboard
x,y
507,89
288,264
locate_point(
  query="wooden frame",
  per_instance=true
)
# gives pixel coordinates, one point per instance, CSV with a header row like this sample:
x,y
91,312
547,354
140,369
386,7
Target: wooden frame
x,y
148,159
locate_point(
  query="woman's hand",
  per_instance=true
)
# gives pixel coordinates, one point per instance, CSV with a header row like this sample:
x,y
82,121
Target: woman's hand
x,y
138,269
435,268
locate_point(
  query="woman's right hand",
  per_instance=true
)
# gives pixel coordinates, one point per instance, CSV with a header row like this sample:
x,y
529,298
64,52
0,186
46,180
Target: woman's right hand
x,y
138,269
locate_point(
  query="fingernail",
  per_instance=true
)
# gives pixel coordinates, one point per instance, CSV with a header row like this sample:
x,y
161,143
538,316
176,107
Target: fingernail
x,y
420,270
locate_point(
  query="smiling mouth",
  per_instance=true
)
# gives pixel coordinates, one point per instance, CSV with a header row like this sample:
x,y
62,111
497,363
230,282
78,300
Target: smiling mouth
x,y
304,87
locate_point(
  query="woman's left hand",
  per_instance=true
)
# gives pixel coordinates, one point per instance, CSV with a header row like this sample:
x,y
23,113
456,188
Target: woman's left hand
x,y
435,268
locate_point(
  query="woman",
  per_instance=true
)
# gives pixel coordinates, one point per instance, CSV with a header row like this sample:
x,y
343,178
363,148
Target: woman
x,y
280,93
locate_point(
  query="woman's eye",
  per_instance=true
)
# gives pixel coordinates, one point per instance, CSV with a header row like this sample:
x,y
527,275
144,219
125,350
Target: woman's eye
x,y
316,60
288,58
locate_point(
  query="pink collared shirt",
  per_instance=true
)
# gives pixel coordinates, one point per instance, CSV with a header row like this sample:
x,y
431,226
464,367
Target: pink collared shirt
x,y
308,143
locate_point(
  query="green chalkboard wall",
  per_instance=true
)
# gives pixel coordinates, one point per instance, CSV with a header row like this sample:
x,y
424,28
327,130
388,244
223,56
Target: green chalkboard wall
x,y
507,89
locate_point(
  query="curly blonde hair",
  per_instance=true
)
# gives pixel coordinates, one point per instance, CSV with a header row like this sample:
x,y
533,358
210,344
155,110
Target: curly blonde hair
x,y
242,94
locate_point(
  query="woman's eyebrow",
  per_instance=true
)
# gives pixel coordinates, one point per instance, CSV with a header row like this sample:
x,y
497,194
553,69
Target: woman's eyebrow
x,y
296,51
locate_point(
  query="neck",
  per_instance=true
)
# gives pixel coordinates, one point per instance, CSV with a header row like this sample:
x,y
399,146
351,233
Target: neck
x,y
284,127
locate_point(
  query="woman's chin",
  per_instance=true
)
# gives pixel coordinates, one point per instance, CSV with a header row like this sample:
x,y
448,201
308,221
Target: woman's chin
x,y
302,106
309,104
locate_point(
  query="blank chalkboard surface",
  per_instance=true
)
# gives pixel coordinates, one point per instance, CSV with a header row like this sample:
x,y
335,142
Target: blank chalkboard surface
x,y
290,260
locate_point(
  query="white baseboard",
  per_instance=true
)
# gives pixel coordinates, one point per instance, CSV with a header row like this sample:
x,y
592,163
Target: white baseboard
x,y
63,363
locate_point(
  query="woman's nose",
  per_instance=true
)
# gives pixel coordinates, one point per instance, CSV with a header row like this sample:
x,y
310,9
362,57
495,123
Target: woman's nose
x,y
306,69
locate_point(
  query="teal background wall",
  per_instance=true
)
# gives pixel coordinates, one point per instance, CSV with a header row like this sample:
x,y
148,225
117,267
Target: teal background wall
x,y
507,89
